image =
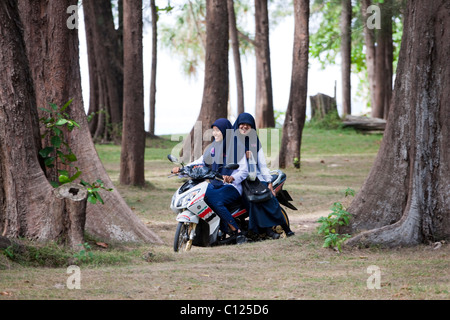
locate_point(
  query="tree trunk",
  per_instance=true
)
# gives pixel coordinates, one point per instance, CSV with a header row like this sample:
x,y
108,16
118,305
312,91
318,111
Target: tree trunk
x,y
383,64
321,105
264,116
94,103
74,197
365,124
54,59
215,91
152,115
107,68
369,37
296,110
388,57
346,53
237,57
379,59
406,197
28,207
133,138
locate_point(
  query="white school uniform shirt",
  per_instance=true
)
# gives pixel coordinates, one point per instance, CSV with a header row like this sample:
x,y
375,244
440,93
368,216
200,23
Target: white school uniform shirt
x,y
239,175
262,171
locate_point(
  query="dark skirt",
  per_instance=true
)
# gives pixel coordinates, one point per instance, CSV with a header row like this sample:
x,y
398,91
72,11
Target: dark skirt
x,y
264,215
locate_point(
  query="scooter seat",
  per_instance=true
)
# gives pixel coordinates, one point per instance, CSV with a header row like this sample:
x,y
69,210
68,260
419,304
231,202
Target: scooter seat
x,y
275,177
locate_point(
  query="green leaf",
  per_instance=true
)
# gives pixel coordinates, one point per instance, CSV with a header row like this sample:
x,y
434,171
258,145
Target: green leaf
x,y
61,122
44,153
84,183
66,105
75,124
64,179
49,162
99,198
92,199
46,110
75,176
54,184
57,131
53,106
56,141
71,157
63,172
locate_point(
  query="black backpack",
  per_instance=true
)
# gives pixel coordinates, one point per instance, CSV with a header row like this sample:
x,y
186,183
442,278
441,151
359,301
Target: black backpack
x,y
255,191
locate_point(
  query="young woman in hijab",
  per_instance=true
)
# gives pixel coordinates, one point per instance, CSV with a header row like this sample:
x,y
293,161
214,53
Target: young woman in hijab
x,y
264,215
219,194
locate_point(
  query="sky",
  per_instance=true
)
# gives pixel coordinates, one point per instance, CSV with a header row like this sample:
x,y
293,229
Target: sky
x,y
178,98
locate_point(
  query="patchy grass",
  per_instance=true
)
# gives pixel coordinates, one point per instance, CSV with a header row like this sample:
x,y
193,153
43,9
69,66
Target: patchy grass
x,y
293,268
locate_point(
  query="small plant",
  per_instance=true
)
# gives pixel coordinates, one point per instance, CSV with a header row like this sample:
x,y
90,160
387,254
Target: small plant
x,y
54,124
85,253
9,252
93,189
339,216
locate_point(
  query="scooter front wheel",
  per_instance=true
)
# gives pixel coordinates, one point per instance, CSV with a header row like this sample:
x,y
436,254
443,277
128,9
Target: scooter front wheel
x,y
181,240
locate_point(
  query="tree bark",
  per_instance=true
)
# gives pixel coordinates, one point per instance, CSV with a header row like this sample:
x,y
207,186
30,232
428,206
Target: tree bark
x,y
406,197
107,69
133,137
236,56
346,53
365,124
296,110
379,60
28,207
369,37
152,113
264,116
74,197
54,59
216,83
321,105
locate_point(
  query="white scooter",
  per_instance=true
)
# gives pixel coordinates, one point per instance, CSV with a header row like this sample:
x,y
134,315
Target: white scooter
x,y
198,224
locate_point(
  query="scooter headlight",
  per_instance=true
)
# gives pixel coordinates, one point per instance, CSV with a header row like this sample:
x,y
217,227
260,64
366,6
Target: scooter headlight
x,y
184,201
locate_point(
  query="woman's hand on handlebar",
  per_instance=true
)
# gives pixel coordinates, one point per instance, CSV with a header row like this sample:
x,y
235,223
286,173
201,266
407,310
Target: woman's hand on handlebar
x,y
228,179
271,189
175,170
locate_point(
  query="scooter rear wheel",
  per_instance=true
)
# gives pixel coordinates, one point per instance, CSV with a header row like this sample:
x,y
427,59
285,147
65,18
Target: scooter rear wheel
x,y
181,236
279,229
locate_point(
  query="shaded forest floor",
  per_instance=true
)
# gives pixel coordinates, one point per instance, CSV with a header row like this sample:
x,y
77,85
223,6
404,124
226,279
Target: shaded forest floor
x,y
284,269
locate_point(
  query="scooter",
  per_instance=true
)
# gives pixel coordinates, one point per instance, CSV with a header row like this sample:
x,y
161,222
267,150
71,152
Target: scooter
x,y
198,224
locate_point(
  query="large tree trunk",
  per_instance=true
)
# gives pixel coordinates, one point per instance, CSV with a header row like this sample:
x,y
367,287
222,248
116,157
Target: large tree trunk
x,y
133,137
236,56
346,53
28,207
54,59
216,84
106,69
383,64
369,38
296,110
152,113
406,197
379,55
264,116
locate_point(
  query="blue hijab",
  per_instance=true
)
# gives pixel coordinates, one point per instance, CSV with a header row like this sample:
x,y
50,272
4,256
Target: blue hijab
x,y
249,142
215,155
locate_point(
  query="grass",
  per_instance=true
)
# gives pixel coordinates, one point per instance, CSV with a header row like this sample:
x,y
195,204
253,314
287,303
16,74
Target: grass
x,y
293,268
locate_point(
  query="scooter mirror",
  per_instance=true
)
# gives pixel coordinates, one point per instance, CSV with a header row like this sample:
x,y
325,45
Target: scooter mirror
x,y
172,158
232,166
